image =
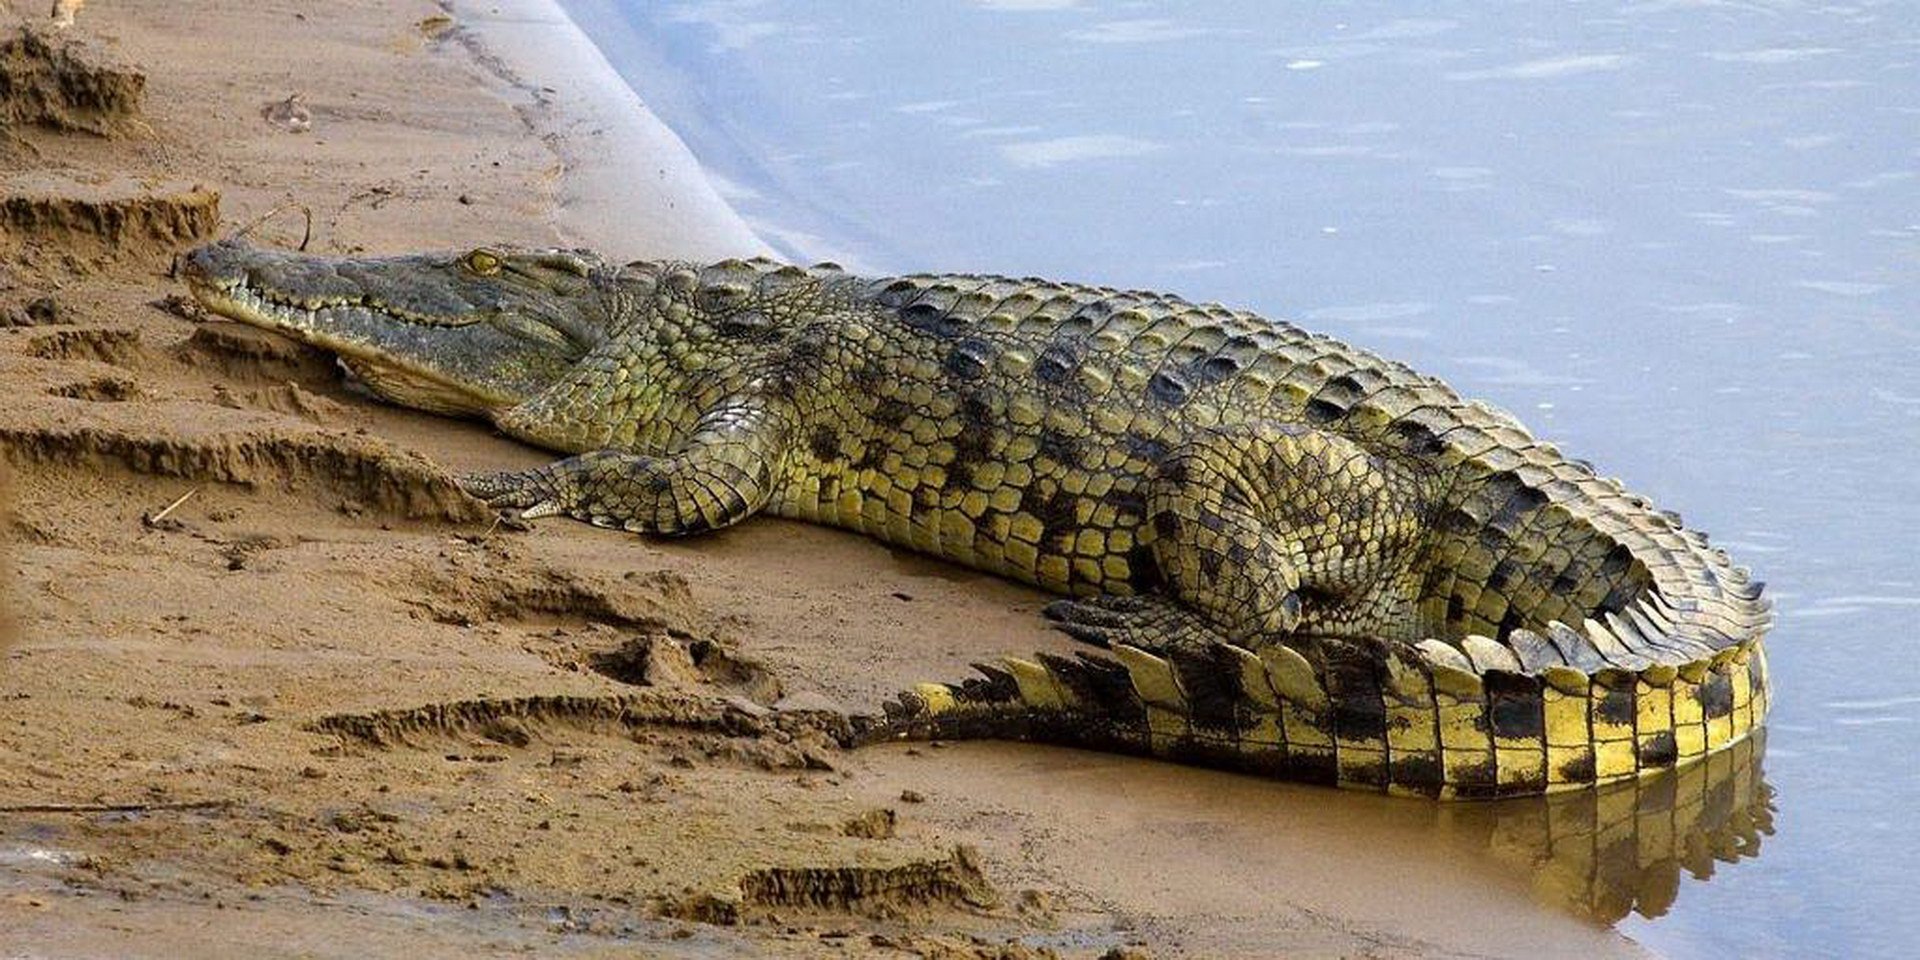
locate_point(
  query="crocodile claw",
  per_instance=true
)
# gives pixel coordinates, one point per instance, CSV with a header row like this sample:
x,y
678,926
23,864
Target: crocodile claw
x,y
519,495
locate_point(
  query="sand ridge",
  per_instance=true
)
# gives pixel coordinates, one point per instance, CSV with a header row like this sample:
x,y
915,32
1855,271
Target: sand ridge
x,y
272,675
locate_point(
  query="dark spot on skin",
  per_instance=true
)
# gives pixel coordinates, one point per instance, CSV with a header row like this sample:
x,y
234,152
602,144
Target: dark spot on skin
x,y
1616,706
1456,609
868,377
969,359
1372,773
959,474
1501,487
1494,540
1212,688
1060,447
974,444
1568,581
891,413
898,293
1515,706
932,320
1166,525
1580,769
1058,514
1420,772
1353,685
809,346
1129,502
976,410
825,444
1176,472
1148,449
1057,362
1342,390
1103,683
1143,571
1168,388
1094,310
1659,750
1418,439
1320,411
1477,781
1618,561
747,325
786,383
1622,595
1503,574
1213,370
994,685
870,456
1312,767
1238,554
1716,695
1510,621
1301,513
1210,564
1518,509
1457,522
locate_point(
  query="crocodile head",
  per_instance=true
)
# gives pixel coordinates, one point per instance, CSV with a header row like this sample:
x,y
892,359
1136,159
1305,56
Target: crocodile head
x,y
472,333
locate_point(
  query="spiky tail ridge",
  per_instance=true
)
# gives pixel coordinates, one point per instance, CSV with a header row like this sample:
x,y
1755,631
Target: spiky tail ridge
x,y
1479,720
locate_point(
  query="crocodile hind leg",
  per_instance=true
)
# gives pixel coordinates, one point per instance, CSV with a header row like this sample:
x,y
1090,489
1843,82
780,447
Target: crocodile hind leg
x,y
1272,540
723,474
1260,532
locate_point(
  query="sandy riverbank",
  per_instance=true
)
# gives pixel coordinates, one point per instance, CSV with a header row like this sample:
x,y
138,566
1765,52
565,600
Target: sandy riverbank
x,y
322,707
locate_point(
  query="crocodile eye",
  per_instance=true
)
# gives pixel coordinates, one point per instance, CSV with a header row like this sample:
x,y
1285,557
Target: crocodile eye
x,y
481,263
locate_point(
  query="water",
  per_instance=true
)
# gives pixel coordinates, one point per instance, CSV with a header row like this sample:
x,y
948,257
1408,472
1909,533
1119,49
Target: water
x,y
1679,237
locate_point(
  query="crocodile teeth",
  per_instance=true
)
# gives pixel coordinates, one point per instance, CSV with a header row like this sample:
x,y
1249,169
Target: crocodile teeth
x,y
1152,678
1488,655
1293,677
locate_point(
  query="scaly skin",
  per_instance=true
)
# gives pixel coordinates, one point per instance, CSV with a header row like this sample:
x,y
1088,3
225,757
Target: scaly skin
x,y
1305,560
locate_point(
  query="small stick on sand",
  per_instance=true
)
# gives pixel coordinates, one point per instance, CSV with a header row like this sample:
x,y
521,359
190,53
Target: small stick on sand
x,y
162,515
114,807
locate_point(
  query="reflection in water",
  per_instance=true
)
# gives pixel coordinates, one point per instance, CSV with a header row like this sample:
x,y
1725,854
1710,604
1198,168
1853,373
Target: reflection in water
x,y
1622,848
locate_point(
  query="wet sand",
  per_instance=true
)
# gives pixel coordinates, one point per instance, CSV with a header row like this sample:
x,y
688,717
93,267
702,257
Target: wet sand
x,y
323,706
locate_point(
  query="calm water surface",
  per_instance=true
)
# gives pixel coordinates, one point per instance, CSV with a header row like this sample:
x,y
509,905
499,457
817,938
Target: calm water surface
x,y
1680,237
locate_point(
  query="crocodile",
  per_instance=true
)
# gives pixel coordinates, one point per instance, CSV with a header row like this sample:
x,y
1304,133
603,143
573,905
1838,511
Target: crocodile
x,y
1286,555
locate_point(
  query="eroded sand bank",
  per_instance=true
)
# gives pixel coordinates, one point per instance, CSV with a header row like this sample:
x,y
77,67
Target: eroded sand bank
x,y
323,707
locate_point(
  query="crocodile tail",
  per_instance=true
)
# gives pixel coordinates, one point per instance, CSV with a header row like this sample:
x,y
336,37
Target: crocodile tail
x,y
1476,720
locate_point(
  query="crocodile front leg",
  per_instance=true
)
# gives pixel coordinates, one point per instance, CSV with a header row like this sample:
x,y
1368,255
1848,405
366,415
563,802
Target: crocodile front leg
x,y
721,475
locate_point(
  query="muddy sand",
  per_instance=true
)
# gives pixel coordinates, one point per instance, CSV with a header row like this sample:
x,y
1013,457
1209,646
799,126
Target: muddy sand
x,y
271,686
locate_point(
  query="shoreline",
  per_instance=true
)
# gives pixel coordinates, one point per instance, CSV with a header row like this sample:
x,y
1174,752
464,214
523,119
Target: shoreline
x,y
623,166
322,571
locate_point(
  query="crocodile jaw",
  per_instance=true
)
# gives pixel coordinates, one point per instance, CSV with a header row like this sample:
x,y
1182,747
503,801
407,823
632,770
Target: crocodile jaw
x,y
413,329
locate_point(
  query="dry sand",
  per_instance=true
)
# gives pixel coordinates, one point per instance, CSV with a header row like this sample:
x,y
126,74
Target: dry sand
x,y
323,707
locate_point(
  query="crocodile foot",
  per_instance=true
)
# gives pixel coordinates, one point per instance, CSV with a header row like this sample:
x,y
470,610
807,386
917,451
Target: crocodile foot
x,y
1146,622
519,495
